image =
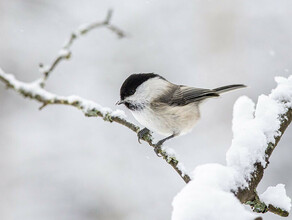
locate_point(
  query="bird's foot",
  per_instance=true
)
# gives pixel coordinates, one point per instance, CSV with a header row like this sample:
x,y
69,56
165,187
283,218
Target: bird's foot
x,y
144,134
157,147
159,143
157,150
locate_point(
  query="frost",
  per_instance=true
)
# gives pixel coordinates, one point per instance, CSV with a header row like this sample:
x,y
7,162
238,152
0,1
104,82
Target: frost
x,y
276,196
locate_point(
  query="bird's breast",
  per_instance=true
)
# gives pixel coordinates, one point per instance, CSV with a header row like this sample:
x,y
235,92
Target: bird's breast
x,y
167,120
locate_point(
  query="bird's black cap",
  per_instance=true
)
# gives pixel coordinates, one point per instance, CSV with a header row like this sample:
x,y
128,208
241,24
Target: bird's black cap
x,y
133,81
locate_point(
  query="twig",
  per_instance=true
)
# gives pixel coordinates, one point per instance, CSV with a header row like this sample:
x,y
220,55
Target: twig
x,y
260,207
65,53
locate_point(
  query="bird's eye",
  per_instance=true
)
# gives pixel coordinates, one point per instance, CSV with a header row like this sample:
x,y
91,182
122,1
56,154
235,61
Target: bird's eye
x,y
132,92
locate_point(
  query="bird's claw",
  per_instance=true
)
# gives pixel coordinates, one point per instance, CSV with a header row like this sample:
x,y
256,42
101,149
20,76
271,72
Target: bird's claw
x,y
143,134
157,150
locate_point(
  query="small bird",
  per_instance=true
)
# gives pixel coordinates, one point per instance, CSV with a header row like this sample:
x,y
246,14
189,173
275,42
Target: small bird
x,y
163,107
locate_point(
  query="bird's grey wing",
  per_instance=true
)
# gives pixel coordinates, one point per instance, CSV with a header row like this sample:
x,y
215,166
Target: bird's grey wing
x,y
184,95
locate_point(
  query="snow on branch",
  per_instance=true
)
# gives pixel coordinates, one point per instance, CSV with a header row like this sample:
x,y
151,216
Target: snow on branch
x,y
257,131
35,90
276,196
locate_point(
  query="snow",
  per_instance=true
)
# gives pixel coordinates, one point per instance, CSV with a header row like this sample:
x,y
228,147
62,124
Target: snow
x,y
276,196
253,128
169,151
119,113
209,194
182,168
283,92
64,52
171,154
34,89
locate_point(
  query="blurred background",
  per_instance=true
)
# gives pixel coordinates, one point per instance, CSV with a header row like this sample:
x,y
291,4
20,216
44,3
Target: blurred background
x,y
58,164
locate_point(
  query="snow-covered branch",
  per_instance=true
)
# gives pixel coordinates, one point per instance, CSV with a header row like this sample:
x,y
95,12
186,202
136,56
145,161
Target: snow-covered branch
x,y
257,131
35,90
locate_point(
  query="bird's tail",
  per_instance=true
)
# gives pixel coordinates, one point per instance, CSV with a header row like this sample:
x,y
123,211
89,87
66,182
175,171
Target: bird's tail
x,y
229,88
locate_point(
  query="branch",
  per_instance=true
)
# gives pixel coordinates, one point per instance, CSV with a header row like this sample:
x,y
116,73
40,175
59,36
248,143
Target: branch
x,y
249,194
65,53
260,207
36,92
274,111
256,133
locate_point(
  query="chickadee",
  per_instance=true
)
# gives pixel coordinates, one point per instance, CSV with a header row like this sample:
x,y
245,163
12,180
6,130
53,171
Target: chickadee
x,y
163,107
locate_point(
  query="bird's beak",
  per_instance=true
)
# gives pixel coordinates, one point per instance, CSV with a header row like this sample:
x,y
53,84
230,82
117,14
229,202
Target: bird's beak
x,y
120,102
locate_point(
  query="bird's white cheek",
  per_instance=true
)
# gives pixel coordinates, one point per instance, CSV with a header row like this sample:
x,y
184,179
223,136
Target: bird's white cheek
x,y
150,90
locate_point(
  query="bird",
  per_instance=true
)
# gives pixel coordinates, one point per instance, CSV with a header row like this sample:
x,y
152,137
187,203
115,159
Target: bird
x,y
163,107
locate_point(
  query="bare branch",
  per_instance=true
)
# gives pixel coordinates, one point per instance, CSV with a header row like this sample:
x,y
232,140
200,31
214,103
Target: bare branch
x,y
65,53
